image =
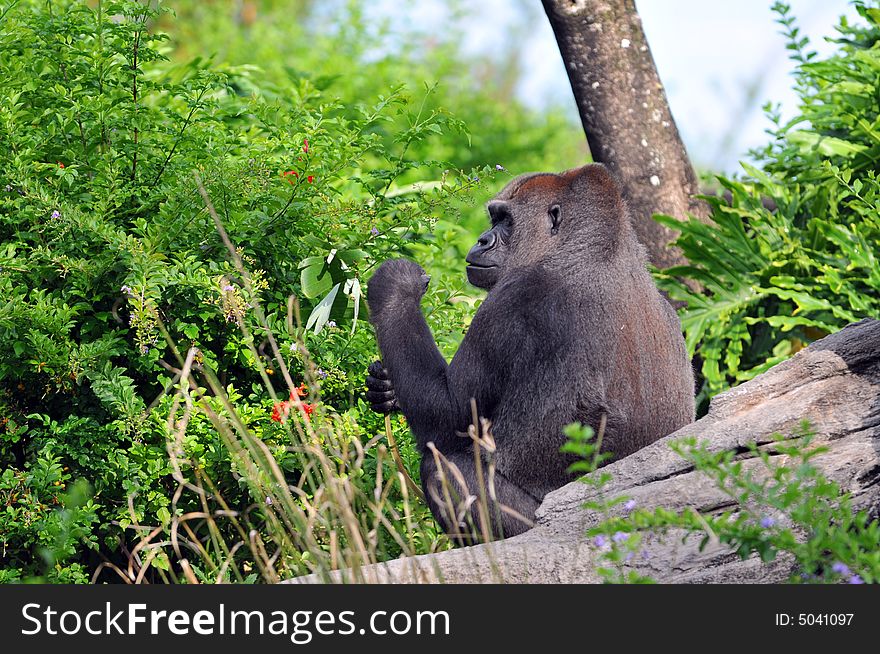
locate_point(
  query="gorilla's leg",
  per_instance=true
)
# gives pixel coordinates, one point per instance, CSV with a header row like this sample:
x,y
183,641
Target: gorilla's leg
x,y
474,505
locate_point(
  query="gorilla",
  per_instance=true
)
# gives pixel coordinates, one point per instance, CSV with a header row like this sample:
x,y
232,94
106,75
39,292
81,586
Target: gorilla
x,y
573,329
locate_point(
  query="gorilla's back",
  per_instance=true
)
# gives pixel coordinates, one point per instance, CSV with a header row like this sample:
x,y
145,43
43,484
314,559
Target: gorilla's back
x,y
624,357
650,383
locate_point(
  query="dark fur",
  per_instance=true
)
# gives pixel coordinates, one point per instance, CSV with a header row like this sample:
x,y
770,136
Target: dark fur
x,y
573,328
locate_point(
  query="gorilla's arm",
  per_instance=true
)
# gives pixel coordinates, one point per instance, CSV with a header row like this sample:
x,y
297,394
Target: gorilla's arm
x,y
422,388
517,317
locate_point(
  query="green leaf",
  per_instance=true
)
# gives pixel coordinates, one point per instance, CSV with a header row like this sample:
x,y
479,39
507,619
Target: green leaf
x,y
828,146
787,323
315,279
351,256
311,261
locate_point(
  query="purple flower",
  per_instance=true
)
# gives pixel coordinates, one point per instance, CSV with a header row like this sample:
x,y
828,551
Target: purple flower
x,y
599,541
126,289
374,231
628,556
620,536
767,522
56,214
629,505
855,579
840,568
229,288
321,373
475,179
268,501
499,167
331,323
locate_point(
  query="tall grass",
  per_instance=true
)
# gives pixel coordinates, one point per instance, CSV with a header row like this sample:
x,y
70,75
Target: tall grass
x,y
330,521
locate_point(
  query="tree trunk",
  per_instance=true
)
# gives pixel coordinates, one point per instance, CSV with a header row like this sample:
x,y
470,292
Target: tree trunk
x,y
834,383
625,115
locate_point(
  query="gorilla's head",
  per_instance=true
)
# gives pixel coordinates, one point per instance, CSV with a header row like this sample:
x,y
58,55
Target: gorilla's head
x,y
538,216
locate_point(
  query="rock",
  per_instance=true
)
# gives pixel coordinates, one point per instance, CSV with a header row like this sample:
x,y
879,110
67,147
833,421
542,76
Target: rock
x,y
834,383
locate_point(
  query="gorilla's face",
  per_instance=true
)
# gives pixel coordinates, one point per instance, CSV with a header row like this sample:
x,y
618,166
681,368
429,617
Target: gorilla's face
x,y
523,232
486,259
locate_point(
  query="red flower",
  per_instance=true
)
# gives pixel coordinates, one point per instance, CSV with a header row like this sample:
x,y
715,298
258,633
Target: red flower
x,y
280,411
288,173
310,179
60,165
306,146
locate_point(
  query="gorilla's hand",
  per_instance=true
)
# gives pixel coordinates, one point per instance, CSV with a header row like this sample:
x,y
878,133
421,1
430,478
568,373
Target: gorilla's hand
x,y
395,281
380,392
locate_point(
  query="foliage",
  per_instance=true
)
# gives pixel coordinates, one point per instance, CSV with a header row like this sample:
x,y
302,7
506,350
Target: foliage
x,y
617,546
777,275
43,517
779,503
114,274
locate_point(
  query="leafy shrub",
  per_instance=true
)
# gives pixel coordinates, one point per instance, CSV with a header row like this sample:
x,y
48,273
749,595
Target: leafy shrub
x,y
41,516
112,271
778,276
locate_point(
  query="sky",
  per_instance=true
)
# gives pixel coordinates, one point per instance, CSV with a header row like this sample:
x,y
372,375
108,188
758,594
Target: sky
x,y
719,60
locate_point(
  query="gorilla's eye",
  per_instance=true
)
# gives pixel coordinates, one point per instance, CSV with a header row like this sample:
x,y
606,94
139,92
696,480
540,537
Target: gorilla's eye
x,y
505,229
554,213
501,215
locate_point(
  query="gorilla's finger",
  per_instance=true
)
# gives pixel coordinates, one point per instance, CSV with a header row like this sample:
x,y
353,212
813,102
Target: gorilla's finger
x,y
377,370
385,407
377,397
375,384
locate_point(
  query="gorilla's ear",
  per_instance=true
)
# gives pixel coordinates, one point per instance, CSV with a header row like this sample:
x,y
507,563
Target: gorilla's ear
x,y
554,213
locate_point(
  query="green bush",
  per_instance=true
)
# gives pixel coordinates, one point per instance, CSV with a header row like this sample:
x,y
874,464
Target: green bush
x,y
111,266
777,276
